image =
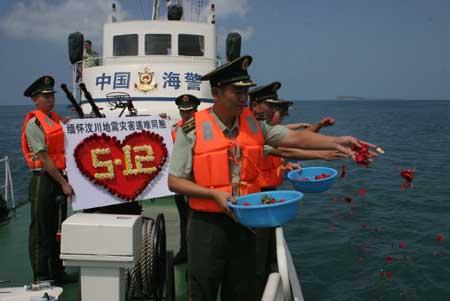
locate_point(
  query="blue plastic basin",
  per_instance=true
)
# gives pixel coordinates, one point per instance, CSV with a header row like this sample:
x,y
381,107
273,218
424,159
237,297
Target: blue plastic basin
x,y
312,185
271,215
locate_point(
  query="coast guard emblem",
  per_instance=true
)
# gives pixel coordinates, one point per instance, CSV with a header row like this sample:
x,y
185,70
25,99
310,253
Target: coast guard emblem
x,y
146,81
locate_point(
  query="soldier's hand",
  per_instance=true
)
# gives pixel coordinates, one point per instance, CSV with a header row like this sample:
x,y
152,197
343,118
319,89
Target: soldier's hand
x,y
345,143
327,121
67,189
222,198
65,119
291,166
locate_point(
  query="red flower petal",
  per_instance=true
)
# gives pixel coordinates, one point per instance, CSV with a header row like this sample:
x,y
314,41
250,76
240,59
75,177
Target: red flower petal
x,y
343,171
389,259
389,274
440,237
408,175
401,245
362,191
348,199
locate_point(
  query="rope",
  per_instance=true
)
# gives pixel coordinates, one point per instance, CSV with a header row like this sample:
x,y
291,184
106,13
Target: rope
x,y
147,278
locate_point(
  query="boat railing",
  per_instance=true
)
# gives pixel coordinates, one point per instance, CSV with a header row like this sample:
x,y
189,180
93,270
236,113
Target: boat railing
x,y
284,284
7,189
142,59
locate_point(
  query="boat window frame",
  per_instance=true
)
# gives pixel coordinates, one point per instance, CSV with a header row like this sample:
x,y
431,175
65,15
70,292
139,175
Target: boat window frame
x,y
134,35
183,52
169,50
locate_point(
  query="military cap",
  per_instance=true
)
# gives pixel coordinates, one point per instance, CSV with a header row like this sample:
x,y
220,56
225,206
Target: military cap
x,y
42,85
266,93
187,102
285,103
234,72
283,106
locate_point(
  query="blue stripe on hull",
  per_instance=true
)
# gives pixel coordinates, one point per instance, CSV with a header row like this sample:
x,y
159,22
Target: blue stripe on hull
x,y
166,99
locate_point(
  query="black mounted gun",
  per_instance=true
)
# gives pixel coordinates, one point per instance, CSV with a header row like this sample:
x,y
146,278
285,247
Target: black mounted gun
x,y
91,101
72,100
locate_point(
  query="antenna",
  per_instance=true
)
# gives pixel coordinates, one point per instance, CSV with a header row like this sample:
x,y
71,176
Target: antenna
x,y
199,9
113,14
212,14
155,12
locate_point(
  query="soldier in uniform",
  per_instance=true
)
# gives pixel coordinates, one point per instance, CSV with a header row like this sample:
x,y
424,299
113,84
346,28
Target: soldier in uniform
x,y
266,106
216,158
187,105
43,147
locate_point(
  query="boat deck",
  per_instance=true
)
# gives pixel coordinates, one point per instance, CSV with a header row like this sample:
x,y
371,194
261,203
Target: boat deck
x,y
15,264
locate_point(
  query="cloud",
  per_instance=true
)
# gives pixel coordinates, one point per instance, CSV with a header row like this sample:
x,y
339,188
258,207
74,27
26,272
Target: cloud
x,y
54,20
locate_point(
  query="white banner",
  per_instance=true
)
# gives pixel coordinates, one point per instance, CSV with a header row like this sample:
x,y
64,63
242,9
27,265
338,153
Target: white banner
x,y
116,160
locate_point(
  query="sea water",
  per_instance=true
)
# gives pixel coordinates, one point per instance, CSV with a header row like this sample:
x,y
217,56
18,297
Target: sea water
x,y
351,250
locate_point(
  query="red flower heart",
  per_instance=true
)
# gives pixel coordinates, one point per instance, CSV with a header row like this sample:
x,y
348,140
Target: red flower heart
x,y
123,168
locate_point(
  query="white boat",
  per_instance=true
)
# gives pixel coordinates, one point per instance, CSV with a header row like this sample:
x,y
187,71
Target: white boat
x,y
145,65
152,62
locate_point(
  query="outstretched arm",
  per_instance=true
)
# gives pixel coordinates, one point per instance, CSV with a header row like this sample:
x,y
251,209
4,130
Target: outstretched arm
x,y
314,141
296,126
301,154
325,122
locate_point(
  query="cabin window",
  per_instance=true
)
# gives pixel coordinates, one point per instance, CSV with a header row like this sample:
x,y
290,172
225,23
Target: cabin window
x,y
158,44
191,45
126,44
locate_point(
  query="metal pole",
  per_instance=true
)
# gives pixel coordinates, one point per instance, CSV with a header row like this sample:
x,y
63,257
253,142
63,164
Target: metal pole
x,y
13,201
6,179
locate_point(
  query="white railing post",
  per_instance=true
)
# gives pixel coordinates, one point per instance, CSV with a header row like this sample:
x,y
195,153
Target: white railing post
x,y
13,201
6,179
8,185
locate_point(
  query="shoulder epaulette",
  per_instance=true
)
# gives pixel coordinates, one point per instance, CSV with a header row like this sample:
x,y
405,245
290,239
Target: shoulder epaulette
x,y
260,116
189,126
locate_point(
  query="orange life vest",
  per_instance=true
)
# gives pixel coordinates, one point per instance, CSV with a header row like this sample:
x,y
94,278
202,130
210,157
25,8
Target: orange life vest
x,y
212,152
271,172
175,129
54,138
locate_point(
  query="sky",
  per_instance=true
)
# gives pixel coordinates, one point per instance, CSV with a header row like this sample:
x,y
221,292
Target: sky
x,y
317,49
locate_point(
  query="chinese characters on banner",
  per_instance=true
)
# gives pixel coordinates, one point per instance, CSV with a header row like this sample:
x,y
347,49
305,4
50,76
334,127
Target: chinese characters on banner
x,y
108,157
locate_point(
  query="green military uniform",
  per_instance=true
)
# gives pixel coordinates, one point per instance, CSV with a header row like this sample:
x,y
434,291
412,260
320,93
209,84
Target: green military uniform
x,y
221,252
43,192
185,102
90,59
265,237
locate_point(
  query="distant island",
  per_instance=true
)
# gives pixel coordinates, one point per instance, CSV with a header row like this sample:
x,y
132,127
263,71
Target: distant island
x,y
350,98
